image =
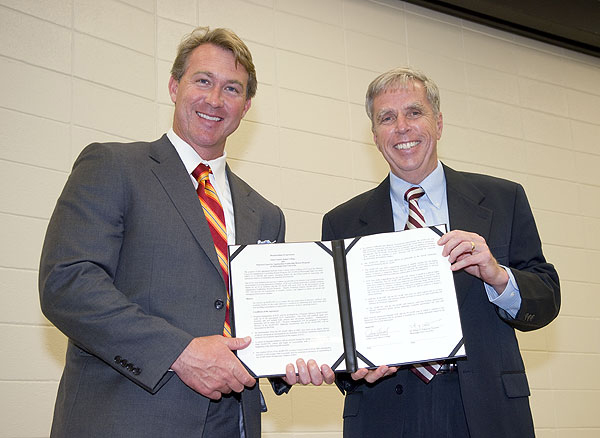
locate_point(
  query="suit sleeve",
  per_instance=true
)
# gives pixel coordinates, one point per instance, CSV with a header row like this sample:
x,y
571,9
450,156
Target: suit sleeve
x,y
536,278
78,264
326,230
281,233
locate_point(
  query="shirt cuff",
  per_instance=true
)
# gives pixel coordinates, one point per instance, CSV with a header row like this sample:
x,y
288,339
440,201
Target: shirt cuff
x,y
510,299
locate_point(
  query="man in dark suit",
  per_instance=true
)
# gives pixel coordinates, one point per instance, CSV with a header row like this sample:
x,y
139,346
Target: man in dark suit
x,y
502,280
130,273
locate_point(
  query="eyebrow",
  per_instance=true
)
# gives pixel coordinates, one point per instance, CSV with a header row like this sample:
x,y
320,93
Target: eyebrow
x,y
383,112
211,75
417,105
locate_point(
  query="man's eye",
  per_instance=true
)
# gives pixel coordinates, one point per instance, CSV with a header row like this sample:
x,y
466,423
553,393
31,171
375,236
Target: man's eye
x,y
233,90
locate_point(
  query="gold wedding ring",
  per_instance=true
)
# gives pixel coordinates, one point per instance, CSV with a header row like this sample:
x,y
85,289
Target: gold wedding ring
x,y
472,246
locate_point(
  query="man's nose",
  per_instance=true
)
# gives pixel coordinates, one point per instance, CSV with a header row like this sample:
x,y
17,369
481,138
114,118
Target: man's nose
x,y
402,126
214,97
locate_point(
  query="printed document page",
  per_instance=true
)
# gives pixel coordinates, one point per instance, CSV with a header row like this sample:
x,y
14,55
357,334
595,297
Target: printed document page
x,y
285,298
403,298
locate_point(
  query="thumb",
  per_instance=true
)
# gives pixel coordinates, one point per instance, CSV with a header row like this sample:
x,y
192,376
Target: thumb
x,y
238,343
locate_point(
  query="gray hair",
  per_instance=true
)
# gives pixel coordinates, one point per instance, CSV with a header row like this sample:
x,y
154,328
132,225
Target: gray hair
x,y
399,78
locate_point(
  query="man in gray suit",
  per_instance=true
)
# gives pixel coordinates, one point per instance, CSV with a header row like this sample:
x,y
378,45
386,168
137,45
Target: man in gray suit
x,y
129,270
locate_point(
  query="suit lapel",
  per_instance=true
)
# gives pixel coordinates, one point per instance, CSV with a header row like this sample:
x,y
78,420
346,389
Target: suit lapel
x,y
377,217
464,205
247,222
172,175
466,213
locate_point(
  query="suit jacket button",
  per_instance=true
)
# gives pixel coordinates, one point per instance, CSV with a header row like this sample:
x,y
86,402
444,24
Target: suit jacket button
x,y
123,363
137,371
117,359
219,304
129,367
399,389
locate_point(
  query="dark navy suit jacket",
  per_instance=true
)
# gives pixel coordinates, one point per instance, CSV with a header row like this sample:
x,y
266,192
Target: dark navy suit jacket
x,y
493,383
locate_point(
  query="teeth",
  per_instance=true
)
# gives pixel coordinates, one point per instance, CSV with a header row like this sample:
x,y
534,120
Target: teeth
x,y
407,145
207,117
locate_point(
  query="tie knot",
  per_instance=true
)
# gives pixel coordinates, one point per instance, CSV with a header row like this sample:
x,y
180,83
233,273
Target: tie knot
x,y
413,193
201,172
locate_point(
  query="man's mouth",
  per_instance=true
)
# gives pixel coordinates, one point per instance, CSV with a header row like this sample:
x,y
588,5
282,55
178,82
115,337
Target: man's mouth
x,y
406,145
207,117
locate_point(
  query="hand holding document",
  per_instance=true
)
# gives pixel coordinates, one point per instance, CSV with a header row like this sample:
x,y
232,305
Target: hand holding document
x,y
383,299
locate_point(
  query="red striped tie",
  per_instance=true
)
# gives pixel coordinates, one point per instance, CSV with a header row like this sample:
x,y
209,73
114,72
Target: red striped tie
x,y
213,210
424,371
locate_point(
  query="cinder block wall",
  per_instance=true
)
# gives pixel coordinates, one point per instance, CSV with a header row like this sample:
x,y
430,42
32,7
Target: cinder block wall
x,y
76,71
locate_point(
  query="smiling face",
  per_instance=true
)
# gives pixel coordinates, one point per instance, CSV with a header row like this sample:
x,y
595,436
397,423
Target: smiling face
x,y
210,99
406,130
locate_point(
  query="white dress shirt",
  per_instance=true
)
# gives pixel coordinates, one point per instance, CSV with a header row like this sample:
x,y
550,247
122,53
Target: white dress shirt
x,y
218,178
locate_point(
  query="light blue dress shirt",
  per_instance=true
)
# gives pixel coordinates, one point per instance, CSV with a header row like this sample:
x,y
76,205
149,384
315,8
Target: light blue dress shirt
x,y
434,205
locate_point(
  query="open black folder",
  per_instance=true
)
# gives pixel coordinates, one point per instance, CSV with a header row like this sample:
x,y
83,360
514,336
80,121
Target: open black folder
x,y
383,299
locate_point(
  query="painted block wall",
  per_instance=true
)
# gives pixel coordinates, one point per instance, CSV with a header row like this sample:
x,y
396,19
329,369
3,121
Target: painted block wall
x,y
77,71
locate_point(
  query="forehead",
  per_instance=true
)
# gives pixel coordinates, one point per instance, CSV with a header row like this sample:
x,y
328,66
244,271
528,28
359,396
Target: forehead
x,y
402,95
209,58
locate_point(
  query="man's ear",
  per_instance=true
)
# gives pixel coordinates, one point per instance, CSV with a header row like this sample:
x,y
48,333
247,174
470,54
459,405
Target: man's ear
x,y
440,125
173,87
247,106
375,139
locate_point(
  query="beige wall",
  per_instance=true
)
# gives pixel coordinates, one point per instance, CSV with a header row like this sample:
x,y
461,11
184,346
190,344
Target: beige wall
x,y
75,71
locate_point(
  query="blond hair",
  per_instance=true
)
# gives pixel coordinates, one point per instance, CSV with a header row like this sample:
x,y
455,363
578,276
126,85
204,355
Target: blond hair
x,y
220,37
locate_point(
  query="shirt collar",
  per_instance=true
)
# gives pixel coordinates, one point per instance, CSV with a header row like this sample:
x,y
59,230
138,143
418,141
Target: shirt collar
x,y
434,185
191,159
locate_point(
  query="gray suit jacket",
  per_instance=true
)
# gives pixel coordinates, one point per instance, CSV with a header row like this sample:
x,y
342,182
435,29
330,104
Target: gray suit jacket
x,y
130,274
493,383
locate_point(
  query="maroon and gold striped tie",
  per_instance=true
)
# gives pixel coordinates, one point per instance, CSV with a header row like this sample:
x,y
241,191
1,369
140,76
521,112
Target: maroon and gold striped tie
x,y
213,210
424,371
